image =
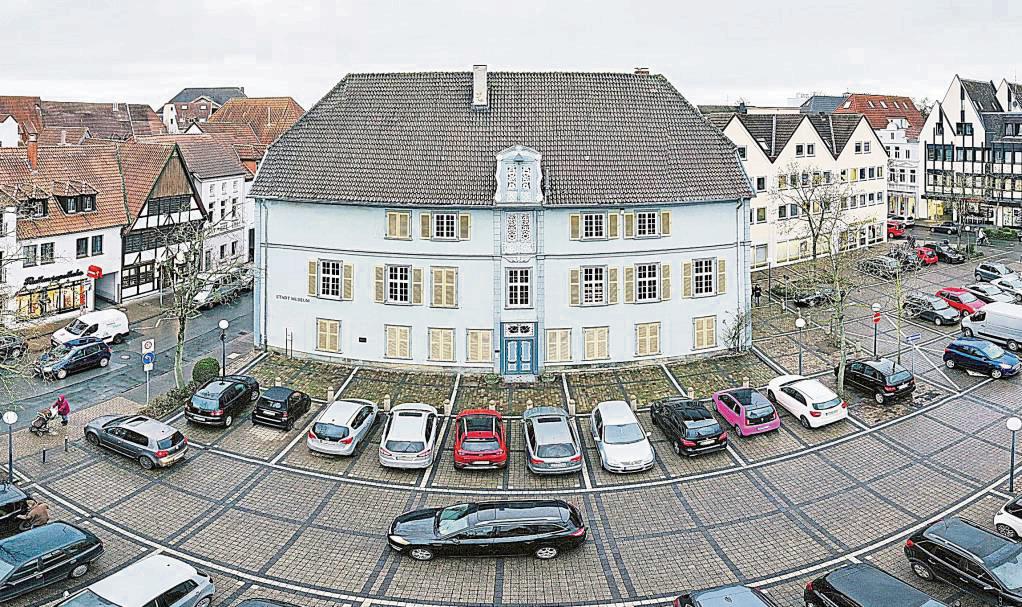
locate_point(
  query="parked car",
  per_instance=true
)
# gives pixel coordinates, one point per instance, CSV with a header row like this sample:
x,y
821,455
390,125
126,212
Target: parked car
x,y
895,229
73,356
958,298
988,292
880,267
155,581
988,271
812,296
1011,285
688,426
945,227
1008,520
729,596
810,402
551,444
930,307
981,356
542,528
12,347
342,427
13,501
109,325
410,437
42,556
748,411
968,557
479,440
926,256
620,440
906,257
1000,323
946,253
864,585
883,378
222,399
223,286
908,220
280,407
150,442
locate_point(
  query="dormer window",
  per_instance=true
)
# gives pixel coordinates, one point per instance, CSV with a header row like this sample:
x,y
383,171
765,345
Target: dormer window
x,y
71,204
34,207
518,175
88,202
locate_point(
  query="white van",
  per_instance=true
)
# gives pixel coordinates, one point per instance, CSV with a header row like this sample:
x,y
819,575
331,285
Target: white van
x,y
999,322
109,325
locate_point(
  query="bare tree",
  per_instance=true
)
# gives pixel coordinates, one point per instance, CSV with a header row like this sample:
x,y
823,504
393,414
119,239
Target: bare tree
x,y
735,330
813,204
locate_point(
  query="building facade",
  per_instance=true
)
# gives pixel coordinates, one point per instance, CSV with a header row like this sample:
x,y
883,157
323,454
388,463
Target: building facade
x,y
779,151
196,105
481,236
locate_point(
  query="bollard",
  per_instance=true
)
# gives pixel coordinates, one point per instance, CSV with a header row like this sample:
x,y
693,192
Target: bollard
x,y
44,456
67,444
692,392
276,381
448,407
329,395
386,402
571,406
528,404
634,402
745,381
492,404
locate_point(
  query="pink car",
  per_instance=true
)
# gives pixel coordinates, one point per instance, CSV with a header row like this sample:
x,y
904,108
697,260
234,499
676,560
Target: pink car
x,y
748,411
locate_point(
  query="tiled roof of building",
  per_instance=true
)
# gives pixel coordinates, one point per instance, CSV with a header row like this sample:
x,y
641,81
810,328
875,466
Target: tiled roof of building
x,y
64,170
983,95
269,117
821,104
25,110
245,141
188,113
114,121
219,94
774,131
879,110
141,164
206,156
410,138
63,135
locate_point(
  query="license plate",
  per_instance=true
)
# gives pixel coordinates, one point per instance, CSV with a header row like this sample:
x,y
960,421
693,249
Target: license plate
x,y
903,386
706,442
480,463
558,465
268,413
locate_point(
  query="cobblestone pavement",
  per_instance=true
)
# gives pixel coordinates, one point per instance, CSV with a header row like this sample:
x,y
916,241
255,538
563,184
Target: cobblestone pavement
x,y
254,508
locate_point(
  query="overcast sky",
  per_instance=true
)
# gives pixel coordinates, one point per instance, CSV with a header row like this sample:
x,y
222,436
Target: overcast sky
x,y
762,51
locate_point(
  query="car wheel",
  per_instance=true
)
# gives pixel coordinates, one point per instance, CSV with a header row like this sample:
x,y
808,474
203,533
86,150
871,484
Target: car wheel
x,y
677,447
228,421
937,321
204,602
118,339
967,332
949,363
61,373
1006,531
146,462
922,570
1013,345
805,422
996,374
92,439
79,571
738,430
16,353
421,554
879,398
546,553
103,362
255,395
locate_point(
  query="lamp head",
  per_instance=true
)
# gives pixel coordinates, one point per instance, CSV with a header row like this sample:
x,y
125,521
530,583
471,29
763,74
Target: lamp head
x,y
223,324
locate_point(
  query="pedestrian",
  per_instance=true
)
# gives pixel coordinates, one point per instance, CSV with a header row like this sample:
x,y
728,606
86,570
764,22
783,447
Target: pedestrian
x,y
63,409
911,241
38,513
757,293
981,237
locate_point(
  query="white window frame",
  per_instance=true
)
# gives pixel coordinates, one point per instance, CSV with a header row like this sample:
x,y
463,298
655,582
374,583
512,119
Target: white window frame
x,y
445,218
642,223
594,221
408,340
647,286
438,332
326,278
639,342
800,150
595,283
515,287
391,275
606,334
486,356
704,281
319,333
555,336
810,149
696,332
743,152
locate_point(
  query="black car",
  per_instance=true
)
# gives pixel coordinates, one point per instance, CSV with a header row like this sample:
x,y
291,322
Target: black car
x,y
880,267
73,356
12,347
815,296
969,557
13,501
864,585
884,378
945,227
932,308
280,407
542,528
222,399
945,252
907,257
39,557
690,428
732,596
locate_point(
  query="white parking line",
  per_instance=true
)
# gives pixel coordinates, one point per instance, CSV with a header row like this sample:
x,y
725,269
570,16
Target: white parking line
x,y
857,422
439,448
279,456
736,457
1000,494
585,467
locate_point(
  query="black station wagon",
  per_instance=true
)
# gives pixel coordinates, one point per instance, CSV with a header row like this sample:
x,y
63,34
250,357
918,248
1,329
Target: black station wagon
x,y
864,585
542,528
885,379
280,407
39,557
222,399
13,501
689,427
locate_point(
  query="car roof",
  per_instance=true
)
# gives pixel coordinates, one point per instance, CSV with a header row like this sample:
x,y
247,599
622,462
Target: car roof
x,y
969,341
148,426
884,365
615,411
813,389
340,412
408,423
135,584
953,290
688,410
927,296
215,387
744,395
414,407
11,493
973,539
867,585
278,393
98,315
982,286
552,430
543,412
480,412
34,543
734,595
522,509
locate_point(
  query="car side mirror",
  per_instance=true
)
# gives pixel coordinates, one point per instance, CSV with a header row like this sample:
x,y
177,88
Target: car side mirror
x,y
648,434
66,594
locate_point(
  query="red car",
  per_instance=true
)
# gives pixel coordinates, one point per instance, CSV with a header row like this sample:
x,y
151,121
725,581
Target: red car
x,y
479,440
895,229
926,256
960,299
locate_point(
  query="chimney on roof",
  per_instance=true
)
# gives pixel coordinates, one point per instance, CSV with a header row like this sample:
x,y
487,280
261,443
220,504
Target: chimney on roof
x,y
642,71
242,89
742,108
63,137
479,97
33,150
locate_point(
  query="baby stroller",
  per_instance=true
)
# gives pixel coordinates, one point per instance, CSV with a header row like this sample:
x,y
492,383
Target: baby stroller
x,y
41,424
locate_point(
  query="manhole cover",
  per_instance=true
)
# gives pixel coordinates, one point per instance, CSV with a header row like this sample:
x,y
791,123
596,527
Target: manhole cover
x,y
125,356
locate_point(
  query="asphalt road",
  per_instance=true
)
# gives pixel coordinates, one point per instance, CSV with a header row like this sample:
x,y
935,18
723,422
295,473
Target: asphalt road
x,y
124,374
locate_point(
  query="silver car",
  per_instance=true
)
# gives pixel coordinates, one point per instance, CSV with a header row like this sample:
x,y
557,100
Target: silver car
x,y
1011,285
150,442
156,580
410,436
340,429
622,443
551,444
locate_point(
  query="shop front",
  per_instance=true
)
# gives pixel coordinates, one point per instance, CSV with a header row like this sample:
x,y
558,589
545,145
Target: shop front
x,y
52,295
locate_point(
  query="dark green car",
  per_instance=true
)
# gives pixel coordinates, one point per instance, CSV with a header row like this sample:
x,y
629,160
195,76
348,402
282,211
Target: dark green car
x,y
45,555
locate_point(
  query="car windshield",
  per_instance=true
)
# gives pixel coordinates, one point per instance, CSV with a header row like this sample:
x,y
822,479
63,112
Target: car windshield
x,y
77,327
900,376
1012,283
759,412
1000,268
453,518
170,441
59,351
827,404
479,423
622,434
205,403
271,404
940,304
967,297
115,421
329,431
991,350
701,428
556,450
480,444
404,446
87,599
1010,571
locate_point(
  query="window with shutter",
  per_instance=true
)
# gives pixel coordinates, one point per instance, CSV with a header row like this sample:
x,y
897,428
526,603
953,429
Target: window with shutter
x,y
558,345
629,284
647,339
348,285
379,284
646,224
330,273
613,225
417,286
703,272
647,282
328,335
398,341
665,223
686,279
399,225
425,224
721,276
313,272
575,229
445,226
574,287
399,284
705,332
612,285
665,282
464,226
441,345
595,343
594,286
629,225
445,287
480,345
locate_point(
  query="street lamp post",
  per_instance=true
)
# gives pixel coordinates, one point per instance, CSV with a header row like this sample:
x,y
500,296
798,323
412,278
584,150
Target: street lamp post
x,y
1014,425
800,323
876,310
11,418
770,266
223,324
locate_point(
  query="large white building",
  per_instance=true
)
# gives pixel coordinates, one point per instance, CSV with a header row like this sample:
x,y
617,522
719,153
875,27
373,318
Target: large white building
x,y
780,150
503,221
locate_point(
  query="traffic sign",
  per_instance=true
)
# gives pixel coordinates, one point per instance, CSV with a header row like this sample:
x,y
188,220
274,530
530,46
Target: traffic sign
x,y
913,338
148,345
149,358
876,318
148,355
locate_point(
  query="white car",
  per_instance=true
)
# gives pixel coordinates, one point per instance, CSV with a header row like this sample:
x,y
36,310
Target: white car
x,y
908,220
156,580
1008,520
410,437
623,444
813,404
340,429
1011,285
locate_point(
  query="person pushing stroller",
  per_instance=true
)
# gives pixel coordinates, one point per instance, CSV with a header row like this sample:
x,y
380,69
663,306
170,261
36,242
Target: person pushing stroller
x,y
41,424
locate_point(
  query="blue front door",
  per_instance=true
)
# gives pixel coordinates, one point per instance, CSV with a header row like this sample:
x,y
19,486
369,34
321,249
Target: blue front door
x,y
517,355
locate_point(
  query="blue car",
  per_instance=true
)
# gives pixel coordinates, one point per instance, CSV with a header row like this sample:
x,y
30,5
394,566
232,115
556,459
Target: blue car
x,y
974,354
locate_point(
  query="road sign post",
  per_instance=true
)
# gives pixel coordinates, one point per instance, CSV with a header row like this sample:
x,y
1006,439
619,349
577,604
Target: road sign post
x,y
148,360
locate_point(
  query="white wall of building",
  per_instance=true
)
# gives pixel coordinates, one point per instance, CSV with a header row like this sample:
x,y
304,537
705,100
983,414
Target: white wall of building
x,y
224,198
9,133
